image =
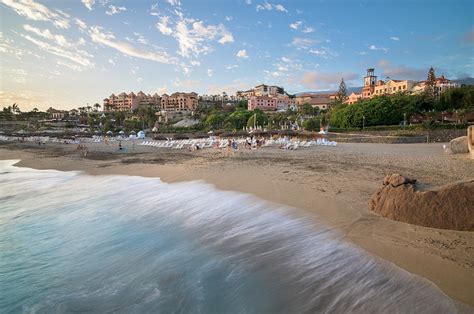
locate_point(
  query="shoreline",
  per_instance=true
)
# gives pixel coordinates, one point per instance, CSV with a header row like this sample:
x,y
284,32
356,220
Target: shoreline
x,y
333,184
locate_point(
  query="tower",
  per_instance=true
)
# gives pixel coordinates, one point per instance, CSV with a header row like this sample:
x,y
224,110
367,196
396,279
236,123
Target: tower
x,y
369,84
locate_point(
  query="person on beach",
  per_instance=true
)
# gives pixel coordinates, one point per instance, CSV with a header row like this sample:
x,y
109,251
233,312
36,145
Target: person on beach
x,y
120,145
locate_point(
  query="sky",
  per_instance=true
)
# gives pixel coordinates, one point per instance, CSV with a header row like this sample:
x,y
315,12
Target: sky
x,y
68,53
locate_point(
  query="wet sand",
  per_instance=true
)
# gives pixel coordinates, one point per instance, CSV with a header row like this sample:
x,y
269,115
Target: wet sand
x,y
332,183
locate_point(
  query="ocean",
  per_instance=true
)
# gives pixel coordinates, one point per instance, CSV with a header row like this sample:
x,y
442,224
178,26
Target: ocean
x,y
72,242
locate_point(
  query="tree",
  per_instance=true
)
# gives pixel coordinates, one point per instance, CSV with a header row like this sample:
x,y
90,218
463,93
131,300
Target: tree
x,y
342,93
96,106
430,88
312,124
214,121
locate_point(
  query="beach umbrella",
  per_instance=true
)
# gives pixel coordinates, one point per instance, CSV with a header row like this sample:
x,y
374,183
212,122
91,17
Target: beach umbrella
x,y
121,132
109,133
133,132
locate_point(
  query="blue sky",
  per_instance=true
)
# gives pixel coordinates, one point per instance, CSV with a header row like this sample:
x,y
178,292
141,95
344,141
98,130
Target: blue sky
x,y
69,53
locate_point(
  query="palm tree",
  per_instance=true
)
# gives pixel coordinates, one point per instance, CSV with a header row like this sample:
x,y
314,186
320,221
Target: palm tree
x,y
96,106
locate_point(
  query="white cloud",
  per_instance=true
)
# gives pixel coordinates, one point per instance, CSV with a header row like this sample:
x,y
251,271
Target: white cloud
x,y
88,3
115,10
248,2
38,12
140,38
308,29
74,67
162,90
72,55
163,27
242,54
266,6
58,39
373,47
229,18
303,43
210,72
280,8
174,2
108,39
395,38
111,61
362,53
323,52
193,37
295,25
231,66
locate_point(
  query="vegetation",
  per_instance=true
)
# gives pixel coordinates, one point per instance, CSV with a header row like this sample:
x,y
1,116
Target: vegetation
x,y
391,110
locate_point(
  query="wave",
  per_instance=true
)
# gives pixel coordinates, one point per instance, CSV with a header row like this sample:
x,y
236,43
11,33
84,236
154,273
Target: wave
x,y
75,242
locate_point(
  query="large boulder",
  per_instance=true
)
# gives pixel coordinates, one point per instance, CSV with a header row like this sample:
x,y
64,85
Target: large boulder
x,y
447,207
459,145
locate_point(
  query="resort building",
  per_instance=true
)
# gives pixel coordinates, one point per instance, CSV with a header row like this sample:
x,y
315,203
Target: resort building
x,y
132,101
261,90
56,114
373,88
353,98
179,102
322,101
270,103
392,87
264,103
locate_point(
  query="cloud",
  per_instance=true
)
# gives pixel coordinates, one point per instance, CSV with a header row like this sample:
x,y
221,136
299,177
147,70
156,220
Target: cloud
x,y
58,39
296,24
318,80
140,38
249,2
242,54
323,52
79,57
210,72
395,38
38,12
192,37
115,10
88,3
266,6
108,39
400,71
229,18
469,36
303,43
308,29
74,67
373,47
163,27
231,66
174,2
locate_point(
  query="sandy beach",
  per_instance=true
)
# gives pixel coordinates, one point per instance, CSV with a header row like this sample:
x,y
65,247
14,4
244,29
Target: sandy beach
x,y
333,184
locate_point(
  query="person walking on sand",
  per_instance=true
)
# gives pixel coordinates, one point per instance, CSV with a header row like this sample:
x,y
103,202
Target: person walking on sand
x,y
120,145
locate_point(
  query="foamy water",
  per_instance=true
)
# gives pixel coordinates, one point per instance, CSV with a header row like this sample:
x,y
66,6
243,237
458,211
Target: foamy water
x,y
70,242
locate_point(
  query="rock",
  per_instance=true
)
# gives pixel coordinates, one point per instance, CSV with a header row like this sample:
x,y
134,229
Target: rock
x,y
396,179
459,145
447,207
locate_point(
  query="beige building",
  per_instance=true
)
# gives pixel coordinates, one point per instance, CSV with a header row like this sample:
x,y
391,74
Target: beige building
x,y
322,101
353,98
261,90
392,87
128,102
270,103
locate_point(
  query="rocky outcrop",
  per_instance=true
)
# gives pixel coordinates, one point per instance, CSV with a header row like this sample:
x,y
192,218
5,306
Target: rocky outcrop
x,y
448,207
459,145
